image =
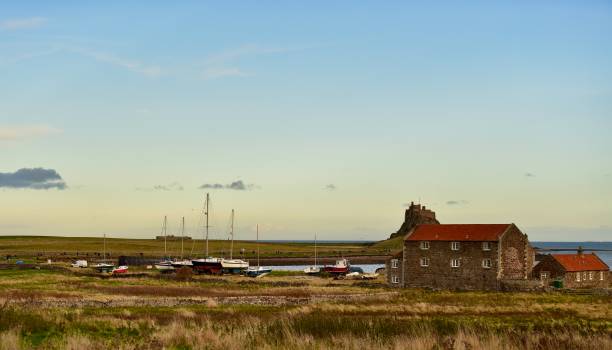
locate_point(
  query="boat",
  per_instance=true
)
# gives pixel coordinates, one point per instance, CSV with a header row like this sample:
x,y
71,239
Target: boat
x,y
208,264
165,264
232,265
120,269
104,266
258,271
177,264
369,276
313,270
341,267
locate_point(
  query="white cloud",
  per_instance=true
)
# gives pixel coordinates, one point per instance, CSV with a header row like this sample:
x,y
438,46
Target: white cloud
x,y
131,65
221,72
22,23
20,132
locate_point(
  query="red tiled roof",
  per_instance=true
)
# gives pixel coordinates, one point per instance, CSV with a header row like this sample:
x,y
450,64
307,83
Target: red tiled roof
x,y
580,262
460,232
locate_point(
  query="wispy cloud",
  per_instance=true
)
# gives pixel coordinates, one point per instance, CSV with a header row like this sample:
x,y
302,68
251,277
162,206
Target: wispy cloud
x,y
221,72
20,132
529,175
33,178
238,185
330,187
22,23
131,65
457,202
175,186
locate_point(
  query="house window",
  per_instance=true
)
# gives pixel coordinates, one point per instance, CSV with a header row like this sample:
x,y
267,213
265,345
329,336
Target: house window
x,y
590,275
584,276
486,245
577,276
394,263
454,245
544,275
455,263
395,279
601,275
424,262
424,245
486,263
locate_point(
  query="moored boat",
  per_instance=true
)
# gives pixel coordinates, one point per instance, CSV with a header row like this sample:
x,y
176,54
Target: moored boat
x,y
257,271
208,265
120,269
104,266
341,267
232,265
313,270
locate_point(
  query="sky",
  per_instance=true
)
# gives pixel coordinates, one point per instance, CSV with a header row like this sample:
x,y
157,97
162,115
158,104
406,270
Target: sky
x,y
322,117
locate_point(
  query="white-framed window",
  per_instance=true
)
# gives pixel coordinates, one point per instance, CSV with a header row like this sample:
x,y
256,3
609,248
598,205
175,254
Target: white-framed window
x,y
455,245
590,275
601,275
424,245
577,276
455,263
394,263
486,245
425,261
584,276
544,275
486,263
394,279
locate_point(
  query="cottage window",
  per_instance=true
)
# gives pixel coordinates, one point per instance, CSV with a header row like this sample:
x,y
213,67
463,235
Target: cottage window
x,y
425,262
590,275
395,279
486,263
455,263
584,276
544,275
601,274
394,263
486,245
577,276
425,245
454,245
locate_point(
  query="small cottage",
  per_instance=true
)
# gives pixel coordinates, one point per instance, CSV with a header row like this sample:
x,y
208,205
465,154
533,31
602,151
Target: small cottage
x,y
575,270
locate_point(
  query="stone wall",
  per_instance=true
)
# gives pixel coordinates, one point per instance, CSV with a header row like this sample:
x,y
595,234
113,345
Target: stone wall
x,y
516,255
439,274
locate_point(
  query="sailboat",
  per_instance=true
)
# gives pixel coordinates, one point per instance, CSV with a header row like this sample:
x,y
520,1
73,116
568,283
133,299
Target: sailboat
x,y
165,264
177,264
208,264
233,265
259,270
313,270
104,266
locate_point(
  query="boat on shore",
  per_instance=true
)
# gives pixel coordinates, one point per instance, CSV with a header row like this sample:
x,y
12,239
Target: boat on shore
x,y
103,266
341,267
119,270
179,263
257,271
231,265
209,265
313,270
165,265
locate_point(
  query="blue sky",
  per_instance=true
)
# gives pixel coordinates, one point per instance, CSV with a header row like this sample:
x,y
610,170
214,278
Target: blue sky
x,y
486,112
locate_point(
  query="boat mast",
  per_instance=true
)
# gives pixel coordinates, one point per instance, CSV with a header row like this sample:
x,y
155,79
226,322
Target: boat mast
x,y
232,233
258,246
165,240
206,213
104,251
182,236
315,250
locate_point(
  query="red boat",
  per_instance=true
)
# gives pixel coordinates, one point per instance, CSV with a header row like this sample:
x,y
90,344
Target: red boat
x,y
120,269
341,268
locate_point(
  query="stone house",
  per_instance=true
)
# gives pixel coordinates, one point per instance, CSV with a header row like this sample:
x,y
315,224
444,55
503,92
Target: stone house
x,y
463,256
575,270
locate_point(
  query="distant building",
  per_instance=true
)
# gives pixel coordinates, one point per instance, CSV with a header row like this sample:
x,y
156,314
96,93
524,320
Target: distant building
x,y
575,270
469,256
172,238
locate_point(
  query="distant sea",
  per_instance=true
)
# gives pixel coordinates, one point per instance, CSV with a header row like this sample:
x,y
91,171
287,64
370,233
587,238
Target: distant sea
x,y
606,256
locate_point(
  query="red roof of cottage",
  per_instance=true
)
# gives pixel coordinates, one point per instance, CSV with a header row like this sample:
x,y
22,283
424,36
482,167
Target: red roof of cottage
x,y
580,262
458,232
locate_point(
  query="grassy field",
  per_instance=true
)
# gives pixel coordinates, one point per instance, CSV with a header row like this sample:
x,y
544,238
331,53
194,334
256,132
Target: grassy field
x,y
28,246
64,309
